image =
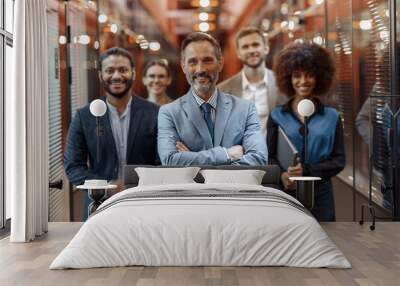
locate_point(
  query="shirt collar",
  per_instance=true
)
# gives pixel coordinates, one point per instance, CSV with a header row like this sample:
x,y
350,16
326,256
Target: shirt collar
x,y
246,83
212,100
114,111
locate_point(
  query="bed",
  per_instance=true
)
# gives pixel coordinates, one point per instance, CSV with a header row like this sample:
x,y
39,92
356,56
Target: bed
x,y
201,224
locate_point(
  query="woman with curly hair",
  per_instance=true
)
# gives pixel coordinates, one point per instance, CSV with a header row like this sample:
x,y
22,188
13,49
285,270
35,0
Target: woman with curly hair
x,y
306,71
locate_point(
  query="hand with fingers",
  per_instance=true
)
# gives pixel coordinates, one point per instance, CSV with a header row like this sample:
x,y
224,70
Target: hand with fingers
x,y
292,171
235,152
119,183
180,147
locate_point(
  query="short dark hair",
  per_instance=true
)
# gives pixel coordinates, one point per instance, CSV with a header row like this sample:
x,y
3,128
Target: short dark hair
x,y
248,31
157,62
116,51
199,37
306,57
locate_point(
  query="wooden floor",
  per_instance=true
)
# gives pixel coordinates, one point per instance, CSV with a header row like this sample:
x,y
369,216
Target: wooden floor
x,y
374,255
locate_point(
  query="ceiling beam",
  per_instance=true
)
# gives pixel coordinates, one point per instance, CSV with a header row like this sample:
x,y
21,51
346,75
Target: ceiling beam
x,y
251,8
155,9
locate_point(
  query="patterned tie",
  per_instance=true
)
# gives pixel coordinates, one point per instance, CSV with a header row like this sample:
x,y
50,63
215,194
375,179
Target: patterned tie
x,y
207,117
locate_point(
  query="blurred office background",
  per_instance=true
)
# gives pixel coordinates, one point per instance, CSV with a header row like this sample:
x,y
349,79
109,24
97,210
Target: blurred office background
x,y
361,34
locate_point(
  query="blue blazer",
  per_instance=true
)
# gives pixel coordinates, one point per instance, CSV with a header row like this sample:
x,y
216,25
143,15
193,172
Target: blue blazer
x,y
82,143
236,123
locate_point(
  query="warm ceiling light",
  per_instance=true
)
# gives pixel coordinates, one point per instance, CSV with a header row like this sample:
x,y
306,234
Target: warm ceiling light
x,y
103,18
114,28
144,45
299,41
291,25
384,35
92,4
62,40
84,39
204,3
139,39
203,16
365,24
318,40
284,8
154,46
204,27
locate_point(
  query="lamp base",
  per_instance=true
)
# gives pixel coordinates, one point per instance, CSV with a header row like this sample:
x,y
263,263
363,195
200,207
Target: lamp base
x,y
96,196
305,190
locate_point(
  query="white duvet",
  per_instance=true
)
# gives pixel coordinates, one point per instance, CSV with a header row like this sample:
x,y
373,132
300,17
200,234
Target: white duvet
x,y
207,230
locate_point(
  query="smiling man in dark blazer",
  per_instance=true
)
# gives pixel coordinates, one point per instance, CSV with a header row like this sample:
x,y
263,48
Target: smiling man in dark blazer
x,y
128,130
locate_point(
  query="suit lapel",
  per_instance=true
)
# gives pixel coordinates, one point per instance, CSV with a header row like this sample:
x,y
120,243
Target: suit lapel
x,y
224,107
134,123
192,110
237,88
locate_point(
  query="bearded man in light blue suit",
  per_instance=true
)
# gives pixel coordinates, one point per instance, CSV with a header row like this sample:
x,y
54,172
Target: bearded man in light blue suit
x,y
206,126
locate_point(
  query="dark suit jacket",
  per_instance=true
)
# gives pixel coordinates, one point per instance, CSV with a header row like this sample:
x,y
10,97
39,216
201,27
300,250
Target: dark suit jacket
x,y
80,157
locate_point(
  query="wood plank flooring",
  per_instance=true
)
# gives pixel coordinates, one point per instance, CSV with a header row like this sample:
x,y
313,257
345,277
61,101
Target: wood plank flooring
x,y
374,255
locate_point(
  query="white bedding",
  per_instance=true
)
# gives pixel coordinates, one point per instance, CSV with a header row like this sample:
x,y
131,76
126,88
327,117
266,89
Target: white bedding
x,y
182,231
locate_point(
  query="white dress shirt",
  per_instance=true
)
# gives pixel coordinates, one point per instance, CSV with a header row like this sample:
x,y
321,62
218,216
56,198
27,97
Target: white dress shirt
x,y
258,93
120,130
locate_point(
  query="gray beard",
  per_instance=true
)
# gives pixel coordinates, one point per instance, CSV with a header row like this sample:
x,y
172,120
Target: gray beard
x,y
202,89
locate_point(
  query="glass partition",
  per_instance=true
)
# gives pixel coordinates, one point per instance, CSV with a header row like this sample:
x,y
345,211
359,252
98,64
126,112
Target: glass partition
x,y
9,15
6,43
8,70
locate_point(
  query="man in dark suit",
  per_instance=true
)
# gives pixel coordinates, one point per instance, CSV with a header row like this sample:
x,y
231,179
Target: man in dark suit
x,y
128,130
254,82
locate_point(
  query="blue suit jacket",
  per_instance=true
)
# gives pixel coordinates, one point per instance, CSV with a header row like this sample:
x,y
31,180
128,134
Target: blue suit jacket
x,y
82,143
236,123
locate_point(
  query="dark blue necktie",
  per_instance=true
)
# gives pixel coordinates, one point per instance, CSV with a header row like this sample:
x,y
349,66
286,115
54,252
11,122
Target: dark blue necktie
x,y
207,117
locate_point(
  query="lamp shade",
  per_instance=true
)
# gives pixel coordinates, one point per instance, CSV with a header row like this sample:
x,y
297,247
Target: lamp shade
x,y
98,107
306,108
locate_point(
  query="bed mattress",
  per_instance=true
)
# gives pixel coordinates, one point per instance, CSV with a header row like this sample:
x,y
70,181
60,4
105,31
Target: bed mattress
x,y
201,225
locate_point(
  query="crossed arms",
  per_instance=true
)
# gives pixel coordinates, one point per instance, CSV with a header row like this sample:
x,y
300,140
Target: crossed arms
x,y
173,153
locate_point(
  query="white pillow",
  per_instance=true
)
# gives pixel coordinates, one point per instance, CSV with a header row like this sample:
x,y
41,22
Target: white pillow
x,y
248,177
166,176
